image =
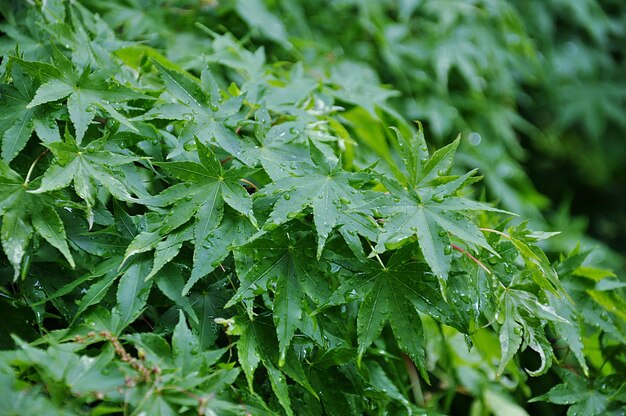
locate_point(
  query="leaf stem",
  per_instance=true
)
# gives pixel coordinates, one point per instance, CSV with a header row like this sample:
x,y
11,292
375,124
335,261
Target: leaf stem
x,y
32,166
491,230
247,182
474,259
376,255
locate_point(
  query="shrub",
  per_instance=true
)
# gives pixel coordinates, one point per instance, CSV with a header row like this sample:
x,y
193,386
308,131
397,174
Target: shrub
x,y
194,224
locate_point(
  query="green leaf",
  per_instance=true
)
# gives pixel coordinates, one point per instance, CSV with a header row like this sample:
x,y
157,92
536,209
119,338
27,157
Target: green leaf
x,y
96,292
166,250
17,121
170,283
287,262
133,290
48,224
16,231
84,91
280,388
184,346
522,317
392,293
586,398
326,189
510,333
234,230
207,112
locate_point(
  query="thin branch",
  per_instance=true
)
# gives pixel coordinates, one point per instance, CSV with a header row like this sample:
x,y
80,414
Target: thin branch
x,y
474,259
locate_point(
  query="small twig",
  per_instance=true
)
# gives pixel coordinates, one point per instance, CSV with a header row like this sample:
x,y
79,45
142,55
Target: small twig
x,y
474,259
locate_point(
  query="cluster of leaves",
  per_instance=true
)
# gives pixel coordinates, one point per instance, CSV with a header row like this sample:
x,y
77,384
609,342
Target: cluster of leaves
x,y
196,231
550,76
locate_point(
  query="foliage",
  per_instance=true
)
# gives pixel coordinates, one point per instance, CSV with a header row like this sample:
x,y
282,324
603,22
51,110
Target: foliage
x,y
196,224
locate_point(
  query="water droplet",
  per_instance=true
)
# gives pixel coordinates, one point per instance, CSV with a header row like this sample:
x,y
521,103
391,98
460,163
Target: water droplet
x,y
447,249
287,196
474,139
437,198
441,172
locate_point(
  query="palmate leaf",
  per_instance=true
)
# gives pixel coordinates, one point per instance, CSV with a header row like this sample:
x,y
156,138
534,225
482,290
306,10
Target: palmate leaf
x,y
257,344
86,167
585,396
24,214
394,293
202,109
328,190
287,262
428,208
199,201
85,90
17,121
281,148
522,318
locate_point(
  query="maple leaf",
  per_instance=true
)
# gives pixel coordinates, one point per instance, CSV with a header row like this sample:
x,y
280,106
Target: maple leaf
x,y
287,262
326,188
281,147
201,195
394,293
586,397
427,209
87,166
23,214
17,120
85,90
522,318
202,109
